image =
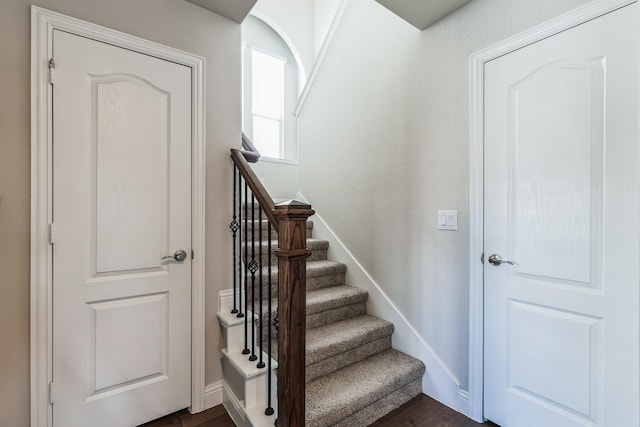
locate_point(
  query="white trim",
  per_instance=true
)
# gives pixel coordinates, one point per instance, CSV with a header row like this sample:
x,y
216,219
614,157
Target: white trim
x,y
279,161
337,18
438,381
302,75
213,394
477,61
43,22
234,407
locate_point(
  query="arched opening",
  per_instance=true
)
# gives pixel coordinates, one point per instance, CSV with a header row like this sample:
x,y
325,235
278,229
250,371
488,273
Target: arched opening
x,y
270,79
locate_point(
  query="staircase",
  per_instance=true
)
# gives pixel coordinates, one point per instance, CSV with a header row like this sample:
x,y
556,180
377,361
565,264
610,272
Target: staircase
x,y
353,375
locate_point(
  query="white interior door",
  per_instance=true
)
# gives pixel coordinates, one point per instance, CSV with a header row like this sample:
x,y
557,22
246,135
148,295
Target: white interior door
x,y
121,202
561,199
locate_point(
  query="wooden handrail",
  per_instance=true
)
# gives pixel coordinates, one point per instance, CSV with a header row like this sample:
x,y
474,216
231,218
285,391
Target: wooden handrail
x,y
258,190
249,151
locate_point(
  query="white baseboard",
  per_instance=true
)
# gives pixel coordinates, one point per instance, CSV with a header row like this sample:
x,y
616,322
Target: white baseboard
x,y
213,394
438,381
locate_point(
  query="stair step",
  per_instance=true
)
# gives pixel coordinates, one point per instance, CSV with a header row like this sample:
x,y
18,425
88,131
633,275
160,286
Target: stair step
x,y
340,344
317,247
262,228
363,392
320,274
326,306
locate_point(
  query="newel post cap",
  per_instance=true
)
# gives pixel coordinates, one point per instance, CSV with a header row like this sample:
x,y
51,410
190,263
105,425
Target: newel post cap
x,y
291,208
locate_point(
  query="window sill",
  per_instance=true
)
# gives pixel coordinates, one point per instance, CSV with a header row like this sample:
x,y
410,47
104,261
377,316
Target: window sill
x,y
280,161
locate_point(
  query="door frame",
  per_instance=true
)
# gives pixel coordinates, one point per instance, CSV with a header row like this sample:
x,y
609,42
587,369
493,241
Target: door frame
x,y
43,22
478,60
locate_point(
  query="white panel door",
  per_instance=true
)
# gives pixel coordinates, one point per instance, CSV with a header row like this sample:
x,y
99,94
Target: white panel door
x,y
561,201
121,202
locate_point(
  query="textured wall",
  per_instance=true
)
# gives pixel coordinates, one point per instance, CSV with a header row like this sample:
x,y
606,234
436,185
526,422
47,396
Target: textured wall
x,y
171,22
384,144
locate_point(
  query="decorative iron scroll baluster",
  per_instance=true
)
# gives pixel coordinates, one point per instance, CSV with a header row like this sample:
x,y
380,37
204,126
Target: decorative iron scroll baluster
x,y
260,301
269,410
253,267
234,229
246,267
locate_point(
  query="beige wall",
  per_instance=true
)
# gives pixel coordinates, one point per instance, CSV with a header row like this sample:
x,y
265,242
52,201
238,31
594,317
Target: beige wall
x,y
384,143
175,23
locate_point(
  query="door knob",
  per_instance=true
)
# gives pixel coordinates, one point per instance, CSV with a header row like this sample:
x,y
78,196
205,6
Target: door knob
x,y
179,256
496,260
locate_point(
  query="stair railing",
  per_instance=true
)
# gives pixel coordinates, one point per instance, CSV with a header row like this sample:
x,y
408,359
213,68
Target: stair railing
x,y
288,219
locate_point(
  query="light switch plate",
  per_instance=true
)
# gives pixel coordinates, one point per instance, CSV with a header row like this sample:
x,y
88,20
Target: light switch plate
x,y
448,220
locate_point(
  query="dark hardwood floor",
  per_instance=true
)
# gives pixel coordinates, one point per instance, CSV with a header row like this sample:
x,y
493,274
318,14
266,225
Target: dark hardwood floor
x,y
422,411
214,417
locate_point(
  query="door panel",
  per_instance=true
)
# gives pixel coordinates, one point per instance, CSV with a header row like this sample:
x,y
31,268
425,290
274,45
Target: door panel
x,y
132,120
561,202
121,202
556,174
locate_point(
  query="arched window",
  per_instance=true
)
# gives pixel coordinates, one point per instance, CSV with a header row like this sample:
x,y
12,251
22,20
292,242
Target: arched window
x,y
269,91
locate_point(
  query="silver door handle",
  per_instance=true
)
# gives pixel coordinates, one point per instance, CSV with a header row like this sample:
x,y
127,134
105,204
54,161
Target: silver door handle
x,y
496,260
179,256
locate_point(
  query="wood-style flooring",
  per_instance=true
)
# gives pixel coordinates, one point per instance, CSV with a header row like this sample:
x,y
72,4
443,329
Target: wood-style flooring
x,y
421,411
214,417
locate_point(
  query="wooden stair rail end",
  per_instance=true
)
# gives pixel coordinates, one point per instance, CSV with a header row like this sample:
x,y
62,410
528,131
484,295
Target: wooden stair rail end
x,y
292,256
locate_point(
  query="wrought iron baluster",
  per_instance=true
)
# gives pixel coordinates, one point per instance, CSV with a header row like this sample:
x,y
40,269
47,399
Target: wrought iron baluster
x,y
269,410
260,301
234,229
253,267
246,267
239,245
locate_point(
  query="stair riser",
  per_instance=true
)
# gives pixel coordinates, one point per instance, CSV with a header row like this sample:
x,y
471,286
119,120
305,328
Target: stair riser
x,y
313,283
265,235
319,319
317,254
339,361
377,410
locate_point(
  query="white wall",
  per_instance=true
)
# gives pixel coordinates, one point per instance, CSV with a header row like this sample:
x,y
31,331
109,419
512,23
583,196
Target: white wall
x,y
279,178
295,19
324,12
384,144
174,23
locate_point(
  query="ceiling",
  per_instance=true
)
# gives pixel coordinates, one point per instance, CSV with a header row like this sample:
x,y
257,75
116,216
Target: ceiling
x,y
236,10
422,13
419,13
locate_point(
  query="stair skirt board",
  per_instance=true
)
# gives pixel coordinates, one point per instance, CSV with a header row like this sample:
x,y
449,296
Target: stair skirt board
x,y
440,383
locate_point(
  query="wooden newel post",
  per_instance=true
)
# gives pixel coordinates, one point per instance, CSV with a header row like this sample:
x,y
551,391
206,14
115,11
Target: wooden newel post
x,y
292,255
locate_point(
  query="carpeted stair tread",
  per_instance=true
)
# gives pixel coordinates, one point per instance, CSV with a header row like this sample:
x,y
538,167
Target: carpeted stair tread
x,y
335,338
336,296
316,268
329,298
311,244
336,396
317,247
262,228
